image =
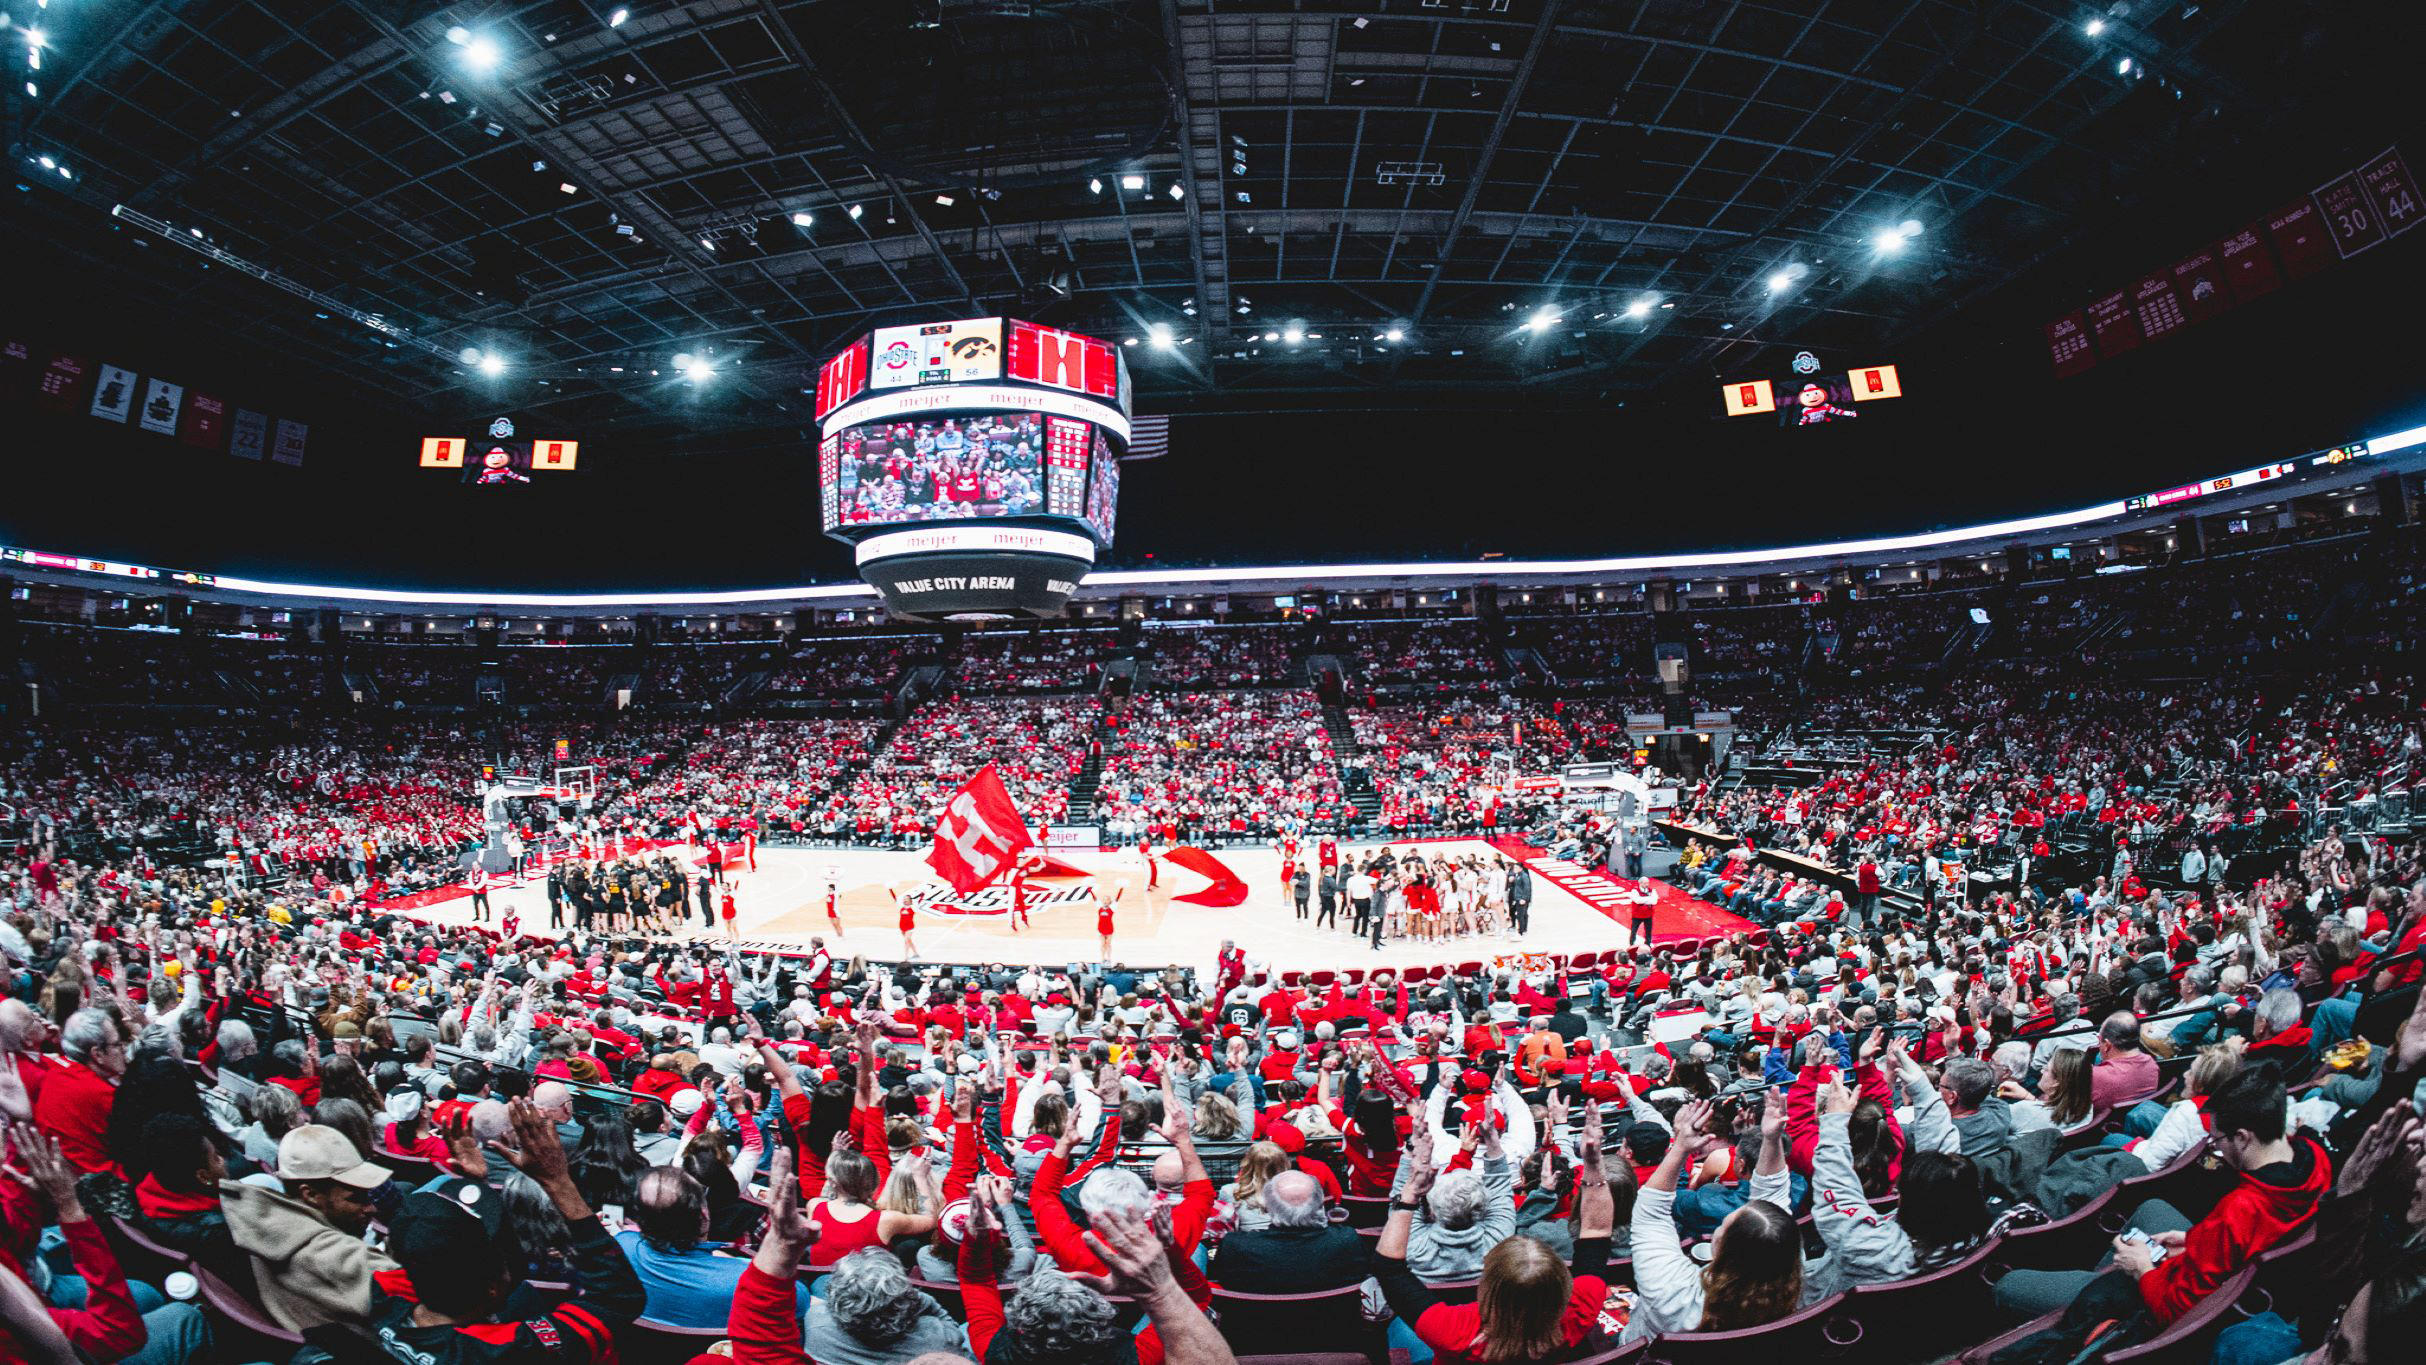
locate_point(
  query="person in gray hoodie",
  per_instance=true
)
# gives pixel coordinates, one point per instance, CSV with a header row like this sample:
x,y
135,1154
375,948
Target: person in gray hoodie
x,y
1983,1123
1464,1215
1941,1216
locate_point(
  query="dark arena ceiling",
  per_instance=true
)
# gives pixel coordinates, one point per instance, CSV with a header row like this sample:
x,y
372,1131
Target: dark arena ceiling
x,y
756,181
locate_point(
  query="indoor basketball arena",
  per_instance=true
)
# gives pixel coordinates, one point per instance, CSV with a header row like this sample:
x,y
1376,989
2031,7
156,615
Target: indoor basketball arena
x,y
1100,682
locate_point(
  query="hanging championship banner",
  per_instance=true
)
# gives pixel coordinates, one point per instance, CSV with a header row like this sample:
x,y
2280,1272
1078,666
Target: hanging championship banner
x,y
288,448
60,381
205,423
161,402
114,395
249,435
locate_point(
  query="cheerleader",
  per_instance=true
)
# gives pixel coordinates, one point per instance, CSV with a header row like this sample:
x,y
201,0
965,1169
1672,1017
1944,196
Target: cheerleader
x,y
834,899
909,920
730,931
1103,918
1423,906
1145,854
1019,895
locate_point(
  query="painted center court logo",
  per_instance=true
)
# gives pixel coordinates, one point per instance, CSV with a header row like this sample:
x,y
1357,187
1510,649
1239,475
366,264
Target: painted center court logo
x,y
996,900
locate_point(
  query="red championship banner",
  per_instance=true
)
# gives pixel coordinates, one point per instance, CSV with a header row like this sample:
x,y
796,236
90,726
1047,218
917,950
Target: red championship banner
x,y
2248,265
205,422
980,835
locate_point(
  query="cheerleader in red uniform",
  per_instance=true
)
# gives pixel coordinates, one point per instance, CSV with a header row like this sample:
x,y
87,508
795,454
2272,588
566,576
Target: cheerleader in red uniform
x,y
834,899
1145,852
1103,919
729,930
1019,896
909,921
1423,907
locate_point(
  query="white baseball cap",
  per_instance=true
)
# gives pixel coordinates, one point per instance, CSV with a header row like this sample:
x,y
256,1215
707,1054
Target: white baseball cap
x,y
318,1152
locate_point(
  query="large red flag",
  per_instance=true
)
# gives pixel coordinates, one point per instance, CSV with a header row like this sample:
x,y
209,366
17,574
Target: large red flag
x,y
980,834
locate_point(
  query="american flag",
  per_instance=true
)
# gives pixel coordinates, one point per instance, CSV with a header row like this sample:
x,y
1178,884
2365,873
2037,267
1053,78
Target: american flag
x,y
1149,437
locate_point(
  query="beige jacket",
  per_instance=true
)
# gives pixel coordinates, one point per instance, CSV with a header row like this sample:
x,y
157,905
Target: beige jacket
x,y
308,1273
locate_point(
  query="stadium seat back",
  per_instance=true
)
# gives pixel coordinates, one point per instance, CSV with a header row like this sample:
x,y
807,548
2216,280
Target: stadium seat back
x,y
250,1323
661,1343
1331,1320
2190,1338
1818,1332
138,1255
1908,1321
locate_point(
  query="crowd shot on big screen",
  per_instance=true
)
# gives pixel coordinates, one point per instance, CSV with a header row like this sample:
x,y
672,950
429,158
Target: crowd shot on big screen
x,y
2072,1007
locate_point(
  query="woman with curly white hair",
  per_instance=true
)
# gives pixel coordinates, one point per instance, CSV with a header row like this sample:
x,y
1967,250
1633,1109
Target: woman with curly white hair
x,y
868,1313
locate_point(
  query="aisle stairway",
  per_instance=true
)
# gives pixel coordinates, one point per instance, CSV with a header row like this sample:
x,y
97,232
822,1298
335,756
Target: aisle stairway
x,y
1089,777
1352,780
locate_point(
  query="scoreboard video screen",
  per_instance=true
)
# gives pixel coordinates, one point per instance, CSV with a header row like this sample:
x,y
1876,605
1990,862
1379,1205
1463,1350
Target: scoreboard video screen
x,y
972,420
943,469
973,465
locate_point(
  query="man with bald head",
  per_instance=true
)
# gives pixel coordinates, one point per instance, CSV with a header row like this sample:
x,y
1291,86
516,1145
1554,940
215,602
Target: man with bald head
x,y
555,1103
1301,1252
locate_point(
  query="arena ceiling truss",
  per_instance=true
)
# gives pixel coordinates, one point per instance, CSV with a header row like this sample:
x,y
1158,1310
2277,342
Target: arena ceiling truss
x,y
1542,193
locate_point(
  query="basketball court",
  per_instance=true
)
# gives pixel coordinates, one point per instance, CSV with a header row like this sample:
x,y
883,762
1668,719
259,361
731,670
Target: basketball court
x,y
781,905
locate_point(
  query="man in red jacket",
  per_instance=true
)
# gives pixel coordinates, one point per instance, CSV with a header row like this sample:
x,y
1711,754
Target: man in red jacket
x,y
2166,1264
2282,1176
77,1095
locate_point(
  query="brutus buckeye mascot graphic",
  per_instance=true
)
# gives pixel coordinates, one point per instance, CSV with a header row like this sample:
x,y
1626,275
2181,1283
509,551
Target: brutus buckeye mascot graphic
x,y
498,467
1816,407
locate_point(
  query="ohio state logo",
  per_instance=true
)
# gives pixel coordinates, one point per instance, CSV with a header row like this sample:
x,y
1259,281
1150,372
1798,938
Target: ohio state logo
x,y
895,356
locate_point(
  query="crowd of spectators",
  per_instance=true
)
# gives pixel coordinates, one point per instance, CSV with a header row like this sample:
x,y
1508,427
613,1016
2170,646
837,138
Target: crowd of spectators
x,y
563,675
1034,661
847,667
389,1135
1576,648
1037,746
278,675
95,666
1427,761
1225,656
415,675
1398,654
693,675
1222,765
775,774
348,1126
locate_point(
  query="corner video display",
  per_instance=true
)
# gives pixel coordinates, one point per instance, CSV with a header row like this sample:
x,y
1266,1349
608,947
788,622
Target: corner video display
x,y
939,469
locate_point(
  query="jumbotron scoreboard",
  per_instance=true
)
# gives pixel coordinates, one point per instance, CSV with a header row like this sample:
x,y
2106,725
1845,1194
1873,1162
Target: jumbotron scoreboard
x,y
974,465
